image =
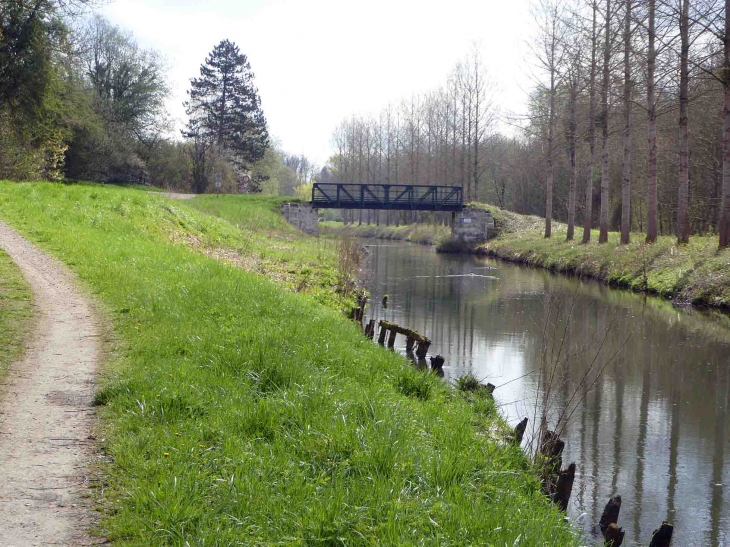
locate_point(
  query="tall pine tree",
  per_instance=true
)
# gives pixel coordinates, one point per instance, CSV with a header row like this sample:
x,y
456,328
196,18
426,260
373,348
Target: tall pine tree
x,y
225,109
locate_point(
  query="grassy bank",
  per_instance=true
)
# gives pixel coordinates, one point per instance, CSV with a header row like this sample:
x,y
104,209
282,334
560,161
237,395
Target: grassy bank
x,y
236,412
695,273
426,234
15,312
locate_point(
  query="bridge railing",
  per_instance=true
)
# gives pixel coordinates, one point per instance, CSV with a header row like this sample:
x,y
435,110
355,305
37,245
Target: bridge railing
x,y
405,197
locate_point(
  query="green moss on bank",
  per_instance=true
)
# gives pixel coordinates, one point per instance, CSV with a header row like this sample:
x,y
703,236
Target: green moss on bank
x,y
236,412
15,312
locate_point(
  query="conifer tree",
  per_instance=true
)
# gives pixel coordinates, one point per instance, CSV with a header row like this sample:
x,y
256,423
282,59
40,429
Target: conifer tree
x,y
224,106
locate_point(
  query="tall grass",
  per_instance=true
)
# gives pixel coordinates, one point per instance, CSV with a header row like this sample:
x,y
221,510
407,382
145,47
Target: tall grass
x,y
238,413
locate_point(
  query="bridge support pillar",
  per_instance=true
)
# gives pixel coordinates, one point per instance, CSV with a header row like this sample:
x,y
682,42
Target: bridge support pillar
x,y
472,225
302,216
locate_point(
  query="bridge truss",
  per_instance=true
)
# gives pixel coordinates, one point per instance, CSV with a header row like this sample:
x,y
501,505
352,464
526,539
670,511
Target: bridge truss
x,y
393,197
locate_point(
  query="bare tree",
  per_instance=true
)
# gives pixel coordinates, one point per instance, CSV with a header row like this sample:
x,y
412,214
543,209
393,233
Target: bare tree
x,y
550,56
605,86
588,212
626,171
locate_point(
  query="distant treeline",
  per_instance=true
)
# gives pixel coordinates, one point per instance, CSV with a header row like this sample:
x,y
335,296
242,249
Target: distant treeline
x,y
624,126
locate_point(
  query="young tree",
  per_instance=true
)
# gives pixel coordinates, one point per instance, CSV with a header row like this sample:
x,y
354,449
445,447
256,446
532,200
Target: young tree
x,y
651,106
605,87
626,168
588,213
224,106
725,202
683,227
573,82
549,16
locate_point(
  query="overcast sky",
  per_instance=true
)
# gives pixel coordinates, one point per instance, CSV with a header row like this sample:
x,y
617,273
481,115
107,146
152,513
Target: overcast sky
x,y
319,61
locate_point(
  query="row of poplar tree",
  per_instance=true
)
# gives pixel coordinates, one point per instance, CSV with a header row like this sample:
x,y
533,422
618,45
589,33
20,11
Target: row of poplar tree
x,y
80,99
627,125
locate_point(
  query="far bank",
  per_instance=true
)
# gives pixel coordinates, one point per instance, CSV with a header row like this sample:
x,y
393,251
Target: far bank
x,y
696,273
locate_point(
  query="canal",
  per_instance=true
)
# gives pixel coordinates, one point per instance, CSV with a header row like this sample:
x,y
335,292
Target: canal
x,y
639,388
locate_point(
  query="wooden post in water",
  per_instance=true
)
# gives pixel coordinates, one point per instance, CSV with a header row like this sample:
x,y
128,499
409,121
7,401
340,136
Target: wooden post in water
x,y
610,514
410,342
437,363
391,338
614,536
370,329
422,349
663,536
520,431
564,489
383,332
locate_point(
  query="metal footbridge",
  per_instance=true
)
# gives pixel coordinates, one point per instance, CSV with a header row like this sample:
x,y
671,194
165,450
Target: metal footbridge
x,y
392,197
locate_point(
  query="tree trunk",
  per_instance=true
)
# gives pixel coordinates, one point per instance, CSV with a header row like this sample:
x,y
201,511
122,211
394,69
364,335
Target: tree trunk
x,y
573,162
683,194
550,143
603,236
588,219
651,229
626,170
725,212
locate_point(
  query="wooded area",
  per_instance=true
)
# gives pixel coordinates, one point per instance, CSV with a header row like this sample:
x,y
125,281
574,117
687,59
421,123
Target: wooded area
x,y
627,125
81,100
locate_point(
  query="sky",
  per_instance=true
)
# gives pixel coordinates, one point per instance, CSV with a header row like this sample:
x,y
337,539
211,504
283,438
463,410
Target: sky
x,y
317,62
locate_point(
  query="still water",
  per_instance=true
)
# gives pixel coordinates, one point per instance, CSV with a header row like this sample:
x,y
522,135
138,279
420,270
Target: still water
x,y
642,386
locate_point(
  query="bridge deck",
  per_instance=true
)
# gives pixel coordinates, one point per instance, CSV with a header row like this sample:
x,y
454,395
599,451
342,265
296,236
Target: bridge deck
x,y
398,197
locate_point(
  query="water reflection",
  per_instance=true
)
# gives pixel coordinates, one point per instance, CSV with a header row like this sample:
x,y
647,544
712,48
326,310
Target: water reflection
x,y
653,427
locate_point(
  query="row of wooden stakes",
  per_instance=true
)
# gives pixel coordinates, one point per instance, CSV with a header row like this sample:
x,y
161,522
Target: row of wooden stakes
x,y
557,484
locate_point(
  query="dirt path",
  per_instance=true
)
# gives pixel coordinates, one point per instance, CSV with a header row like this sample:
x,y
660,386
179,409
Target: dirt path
x,y
45,410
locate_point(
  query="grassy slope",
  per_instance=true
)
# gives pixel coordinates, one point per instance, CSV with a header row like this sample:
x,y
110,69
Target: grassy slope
x,y
695,273
238,412
15,311
427,234
264,243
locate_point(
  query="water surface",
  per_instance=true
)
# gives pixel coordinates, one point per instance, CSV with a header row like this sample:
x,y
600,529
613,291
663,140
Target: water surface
x,y
645,384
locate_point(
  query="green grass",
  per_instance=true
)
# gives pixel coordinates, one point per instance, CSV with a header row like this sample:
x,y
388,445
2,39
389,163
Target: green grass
x,y
695,273
426,234
236,412
15,312
267,244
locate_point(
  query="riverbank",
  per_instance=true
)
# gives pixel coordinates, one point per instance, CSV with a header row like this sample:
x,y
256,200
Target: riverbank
x,y
240,405
696,273
424,234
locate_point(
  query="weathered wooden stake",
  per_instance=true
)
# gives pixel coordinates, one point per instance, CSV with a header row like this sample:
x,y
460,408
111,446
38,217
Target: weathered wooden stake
x,y
564,489
552,448
370,329
437,363
614,536
422,349
610,514
520,431
381,336
410,342
391,338
663,536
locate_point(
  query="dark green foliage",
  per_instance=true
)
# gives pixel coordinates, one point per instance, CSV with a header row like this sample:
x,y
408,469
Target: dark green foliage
x,y
225,109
